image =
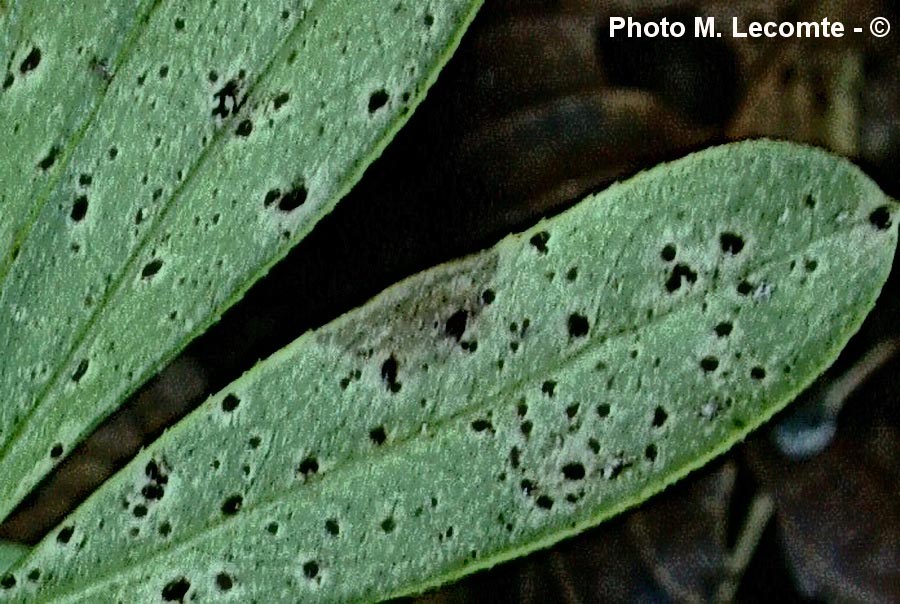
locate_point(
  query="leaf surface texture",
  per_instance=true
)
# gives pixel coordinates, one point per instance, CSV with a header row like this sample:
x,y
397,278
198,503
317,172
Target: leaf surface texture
x,y
498,403
158,158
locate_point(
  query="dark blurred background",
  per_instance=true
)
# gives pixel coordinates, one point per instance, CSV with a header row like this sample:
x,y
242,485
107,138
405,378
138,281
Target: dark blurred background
x,y
539,107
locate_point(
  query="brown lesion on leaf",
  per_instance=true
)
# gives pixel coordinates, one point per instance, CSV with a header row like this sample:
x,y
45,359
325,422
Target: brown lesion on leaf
x,y
410,318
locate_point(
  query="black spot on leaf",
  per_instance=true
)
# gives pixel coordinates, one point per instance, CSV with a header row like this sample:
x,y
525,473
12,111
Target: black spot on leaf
x,y
731,243
332,527
151,268
280,100
153,492
539,241
271,197
680,274
723,329
548,388
660,415
880,218
79,208
155,473
709,364
377,100
311,569
31,61
56,451
244,128
456,325
308,466
80,370
578,325
480,425
573,471
65,535
668,253
514,458
176,590
224,581
544,502
226,99
230,403
378,435
49,159
389,370
293,199
232,505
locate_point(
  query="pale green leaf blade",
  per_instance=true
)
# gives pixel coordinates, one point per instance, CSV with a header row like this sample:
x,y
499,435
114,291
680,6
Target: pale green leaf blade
x,y
228,131
496,404
10,553
49,92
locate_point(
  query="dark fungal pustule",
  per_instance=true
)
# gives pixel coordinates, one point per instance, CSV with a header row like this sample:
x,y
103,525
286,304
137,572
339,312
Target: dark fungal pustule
x,y
389,370
31,61
539,242
681,274
378,99
293,199
227,99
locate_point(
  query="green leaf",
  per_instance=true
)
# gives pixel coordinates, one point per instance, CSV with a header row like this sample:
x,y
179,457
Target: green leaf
x,y
499,403
50,92
162,157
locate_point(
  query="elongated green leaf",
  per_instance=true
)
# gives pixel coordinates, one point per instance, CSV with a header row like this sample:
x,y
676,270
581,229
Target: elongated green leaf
x,y
496,404
195,143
